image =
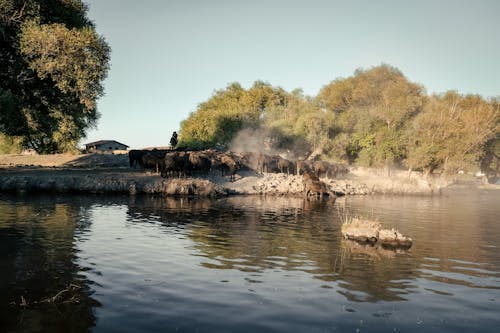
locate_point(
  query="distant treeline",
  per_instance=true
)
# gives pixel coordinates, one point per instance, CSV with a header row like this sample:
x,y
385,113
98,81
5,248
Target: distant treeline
x,y
376,117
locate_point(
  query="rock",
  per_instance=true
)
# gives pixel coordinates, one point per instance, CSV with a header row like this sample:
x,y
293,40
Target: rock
x,y
393,238
367,231
361,230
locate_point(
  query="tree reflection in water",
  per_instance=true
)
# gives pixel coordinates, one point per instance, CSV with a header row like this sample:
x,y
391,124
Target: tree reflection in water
x,y
199,259
41,285
255,234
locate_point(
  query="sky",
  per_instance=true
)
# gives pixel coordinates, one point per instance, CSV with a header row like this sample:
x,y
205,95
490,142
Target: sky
x,y
168,56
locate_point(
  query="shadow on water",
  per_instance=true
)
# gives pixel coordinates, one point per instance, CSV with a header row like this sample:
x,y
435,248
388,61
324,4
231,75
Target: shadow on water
x,y
41,287
258,234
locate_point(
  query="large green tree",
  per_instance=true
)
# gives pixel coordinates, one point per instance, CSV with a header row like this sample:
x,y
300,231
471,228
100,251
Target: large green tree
x,y
368,114
53,64
297,124
216,122
275,119
376,117
455,132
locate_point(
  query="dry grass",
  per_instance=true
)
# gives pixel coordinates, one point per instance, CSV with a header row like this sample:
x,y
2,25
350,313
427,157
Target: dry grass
x,y
350,220
360,223
70,294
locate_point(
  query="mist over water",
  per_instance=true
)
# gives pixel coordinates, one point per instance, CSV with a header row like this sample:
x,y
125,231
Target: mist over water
x,y
249,264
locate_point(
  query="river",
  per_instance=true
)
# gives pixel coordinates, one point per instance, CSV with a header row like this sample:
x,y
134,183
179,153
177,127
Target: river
x,y
247,264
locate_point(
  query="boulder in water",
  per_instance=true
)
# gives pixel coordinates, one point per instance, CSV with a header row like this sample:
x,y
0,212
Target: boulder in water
x,y
368,231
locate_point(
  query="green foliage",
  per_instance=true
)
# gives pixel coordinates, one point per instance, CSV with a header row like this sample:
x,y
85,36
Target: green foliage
x,y
217,121
375,118
9,145
372,109
490,161
453,132
54,65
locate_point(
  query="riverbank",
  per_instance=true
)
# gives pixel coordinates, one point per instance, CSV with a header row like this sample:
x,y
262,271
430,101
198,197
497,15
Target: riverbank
x,y
107,173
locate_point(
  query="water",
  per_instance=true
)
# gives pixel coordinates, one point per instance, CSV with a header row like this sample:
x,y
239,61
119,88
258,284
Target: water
x,y
246,264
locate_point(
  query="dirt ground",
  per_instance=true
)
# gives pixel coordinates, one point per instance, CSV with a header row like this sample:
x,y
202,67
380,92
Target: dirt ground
x,y
64,160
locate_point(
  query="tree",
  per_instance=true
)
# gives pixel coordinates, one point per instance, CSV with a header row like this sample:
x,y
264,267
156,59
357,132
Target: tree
x,y
368,114
54,64
9,145
453,132
376,117
216,122
297,124
490,161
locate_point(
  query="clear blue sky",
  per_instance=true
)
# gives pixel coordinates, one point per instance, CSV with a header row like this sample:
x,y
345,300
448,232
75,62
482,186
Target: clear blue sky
x,y
169,56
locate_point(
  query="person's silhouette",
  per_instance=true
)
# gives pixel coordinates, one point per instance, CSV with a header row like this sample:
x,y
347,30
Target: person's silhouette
x,y
173,140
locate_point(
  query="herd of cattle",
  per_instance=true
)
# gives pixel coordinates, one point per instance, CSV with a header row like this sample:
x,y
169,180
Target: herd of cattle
x,y
184,163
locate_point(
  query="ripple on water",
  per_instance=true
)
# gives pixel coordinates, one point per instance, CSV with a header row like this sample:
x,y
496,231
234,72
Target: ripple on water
x,y
158,264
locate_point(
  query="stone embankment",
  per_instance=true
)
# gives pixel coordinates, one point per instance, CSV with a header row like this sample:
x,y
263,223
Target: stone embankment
x,y
118,180
125,180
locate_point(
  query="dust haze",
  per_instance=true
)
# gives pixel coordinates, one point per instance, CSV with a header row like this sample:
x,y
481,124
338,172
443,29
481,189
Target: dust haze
x,y
261,140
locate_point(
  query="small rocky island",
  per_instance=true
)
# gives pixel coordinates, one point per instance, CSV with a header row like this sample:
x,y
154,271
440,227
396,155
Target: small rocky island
x,y
371,232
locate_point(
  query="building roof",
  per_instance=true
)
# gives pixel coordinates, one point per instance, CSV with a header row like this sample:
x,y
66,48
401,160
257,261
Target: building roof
x,y
101,142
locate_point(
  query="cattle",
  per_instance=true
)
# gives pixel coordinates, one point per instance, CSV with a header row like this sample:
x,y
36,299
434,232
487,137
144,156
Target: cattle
x,y
313,187
248,160
266,163
320,168
152,161
198,162
214,157
285,165
326,169
135,158
192,163
229,165
174,164
302,166
261,162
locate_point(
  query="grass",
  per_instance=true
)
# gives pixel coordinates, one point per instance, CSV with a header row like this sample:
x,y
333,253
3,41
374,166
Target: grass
x,y
350,220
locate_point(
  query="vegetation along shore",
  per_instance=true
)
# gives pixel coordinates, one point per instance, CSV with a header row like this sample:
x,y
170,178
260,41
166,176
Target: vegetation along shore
x,y
383,130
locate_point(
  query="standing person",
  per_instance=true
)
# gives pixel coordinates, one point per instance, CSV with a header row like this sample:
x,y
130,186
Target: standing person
x,y
173,140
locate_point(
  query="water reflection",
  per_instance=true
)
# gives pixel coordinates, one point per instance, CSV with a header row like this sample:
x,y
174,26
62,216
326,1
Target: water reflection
x,y
257,235
456,235
40,286
273,264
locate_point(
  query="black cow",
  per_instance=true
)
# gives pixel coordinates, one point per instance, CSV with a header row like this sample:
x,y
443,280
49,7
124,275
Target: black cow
x,y
313,187
152,161
229,165
198,162
175,164
135,158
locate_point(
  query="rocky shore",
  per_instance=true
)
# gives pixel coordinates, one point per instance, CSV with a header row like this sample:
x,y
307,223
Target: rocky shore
x,y
103,180
105,173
